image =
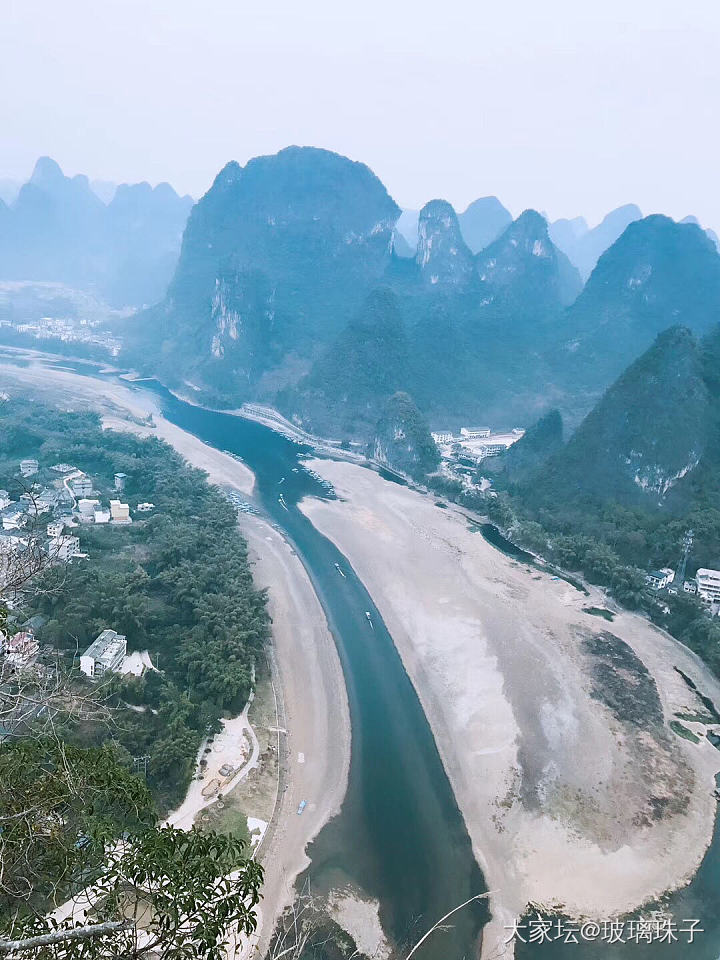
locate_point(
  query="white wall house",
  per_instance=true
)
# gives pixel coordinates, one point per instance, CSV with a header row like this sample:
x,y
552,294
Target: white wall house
x,y
660,579
105,654
81,486
708,584
55,529
64,548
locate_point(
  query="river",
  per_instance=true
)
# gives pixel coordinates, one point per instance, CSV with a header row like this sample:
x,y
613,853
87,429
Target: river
x,y
399,837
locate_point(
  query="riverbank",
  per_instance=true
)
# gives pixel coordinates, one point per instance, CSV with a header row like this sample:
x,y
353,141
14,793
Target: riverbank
x,y
123,408
316,739
313,689
575,792
272,418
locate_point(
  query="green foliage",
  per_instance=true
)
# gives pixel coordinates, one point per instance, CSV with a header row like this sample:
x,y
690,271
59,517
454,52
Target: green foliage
x,y
60,805
682,731
650,427
180,894
538,444
366,364
402,438
177,583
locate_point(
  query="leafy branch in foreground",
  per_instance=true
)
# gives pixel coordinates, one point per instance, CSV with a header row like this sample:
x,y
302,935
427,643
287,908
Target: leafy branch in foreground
x,y
77,826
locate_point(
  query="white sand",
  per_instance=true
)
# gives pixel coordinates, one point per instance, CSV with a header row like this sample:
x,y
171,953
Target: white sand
x,y
316,714
236,745
313,687
553,787
361,919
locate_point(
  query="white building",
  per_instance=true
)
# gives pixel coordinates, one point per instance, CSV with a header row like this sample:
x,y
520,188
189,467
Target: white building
x,y
708,584
119,512
145,507
55,529
104,654
469,434
690,586
120,479
102,516
81,486
86,509
442,437
64,548
14,519
28,467
5,500
660,579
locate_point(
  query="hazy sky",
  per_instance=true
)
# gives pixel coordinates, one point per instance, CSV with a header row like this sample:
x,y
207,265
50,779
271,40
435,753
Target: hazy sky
x,y
571,106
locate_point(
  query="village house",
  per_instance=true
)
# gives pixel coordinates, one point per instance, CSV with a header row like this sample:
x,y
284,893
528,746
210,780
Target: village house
x,y
105,654
81,486
708,584
28,467
21,649
119,512
86,509
660,579
14,516
64,548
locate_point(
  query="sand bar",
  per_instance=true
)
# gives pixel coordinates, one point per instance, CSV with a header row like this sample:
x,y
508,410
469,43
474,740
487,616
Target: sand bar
x,y
568,801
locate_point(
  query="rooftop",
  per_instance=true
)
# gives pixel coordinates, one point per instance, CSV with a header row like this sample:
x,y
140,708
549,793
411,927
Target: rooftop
x,y
107,642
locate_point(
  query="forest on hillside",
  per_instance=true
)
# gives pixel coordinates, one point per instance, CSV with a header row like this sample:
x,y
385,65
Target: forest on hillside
x,y
177,584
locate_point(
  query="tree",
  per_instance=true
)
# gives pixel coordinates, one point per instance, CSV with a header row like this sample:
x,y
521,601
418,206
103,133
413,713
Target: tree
x,y
78,829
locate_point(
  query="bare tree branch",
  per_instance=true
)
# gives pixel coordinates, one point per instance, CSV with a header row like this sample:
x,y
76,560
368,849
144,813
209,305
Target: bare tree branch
x,y
62,936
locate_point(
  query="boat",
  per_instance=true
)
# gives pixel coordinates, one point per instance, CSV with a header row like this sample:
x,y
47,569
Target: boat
x,y
281,501
339,570
369,618
301,807
281,480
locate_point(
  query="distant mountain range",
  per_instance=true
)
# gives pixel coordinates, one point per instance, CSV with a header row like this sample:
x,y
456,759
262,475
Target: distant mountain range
x,y
274,298
57,228
291,288
486,218
301,283
657,274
